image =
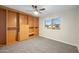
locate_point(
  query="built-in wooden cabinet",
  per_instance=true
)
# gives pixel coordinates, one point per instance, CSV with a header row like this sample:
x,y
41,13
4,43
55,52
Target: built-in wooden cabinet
x,y
16,26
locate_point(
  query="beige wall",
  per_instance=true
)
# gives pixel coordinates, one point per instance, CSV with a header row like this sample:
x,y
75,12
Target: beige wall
x,y
68,33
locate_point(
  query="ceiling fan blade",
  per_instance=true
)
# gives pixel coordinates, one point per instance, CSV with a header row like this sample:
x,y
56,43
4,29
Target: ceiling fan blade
x,y
43,13
42,9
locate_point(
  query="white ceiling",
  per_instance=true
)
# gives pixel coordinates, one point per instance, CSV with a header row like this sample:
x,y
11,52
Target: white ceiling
x,y
49,8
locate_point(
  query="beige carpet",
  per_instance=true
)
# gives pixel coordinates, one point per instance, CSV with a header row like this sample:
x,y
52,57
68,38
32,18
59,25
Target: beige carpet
x,y
39,45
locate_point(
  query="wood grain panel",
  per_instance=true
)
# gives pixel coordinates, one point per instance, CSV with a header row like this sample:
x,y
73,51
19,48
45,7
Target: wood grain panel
x,y
36,26
23,19
12,16
36,22
2,26
24,31
11,27
30,21
11,37
23,28
36,31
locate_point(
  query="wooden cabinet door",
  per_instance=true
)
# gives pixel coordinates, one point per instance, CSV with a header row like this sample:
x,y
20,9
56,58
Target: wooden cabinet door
x,y
36,22
36,26
36,31
30,21
24,31
11,27
24,28
2,26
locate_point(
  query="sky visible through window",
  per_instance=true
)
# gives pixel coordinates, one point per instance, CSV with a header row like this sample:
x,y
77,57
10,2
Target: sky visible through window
x,y
56,20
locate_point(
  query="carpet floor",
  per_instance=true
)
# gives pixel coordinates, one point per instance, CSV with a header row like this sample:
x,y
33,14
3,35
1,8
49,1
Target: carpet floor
x,y
39,45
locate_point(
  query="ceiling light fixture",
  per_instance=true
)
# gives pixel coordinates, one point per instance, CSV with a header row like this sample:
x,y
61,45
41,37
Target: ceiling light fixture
x,y
36,12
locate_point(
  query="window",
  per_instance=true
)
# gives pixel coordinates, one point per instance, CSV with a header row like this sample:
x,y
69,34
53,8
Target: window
x,y
53,23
